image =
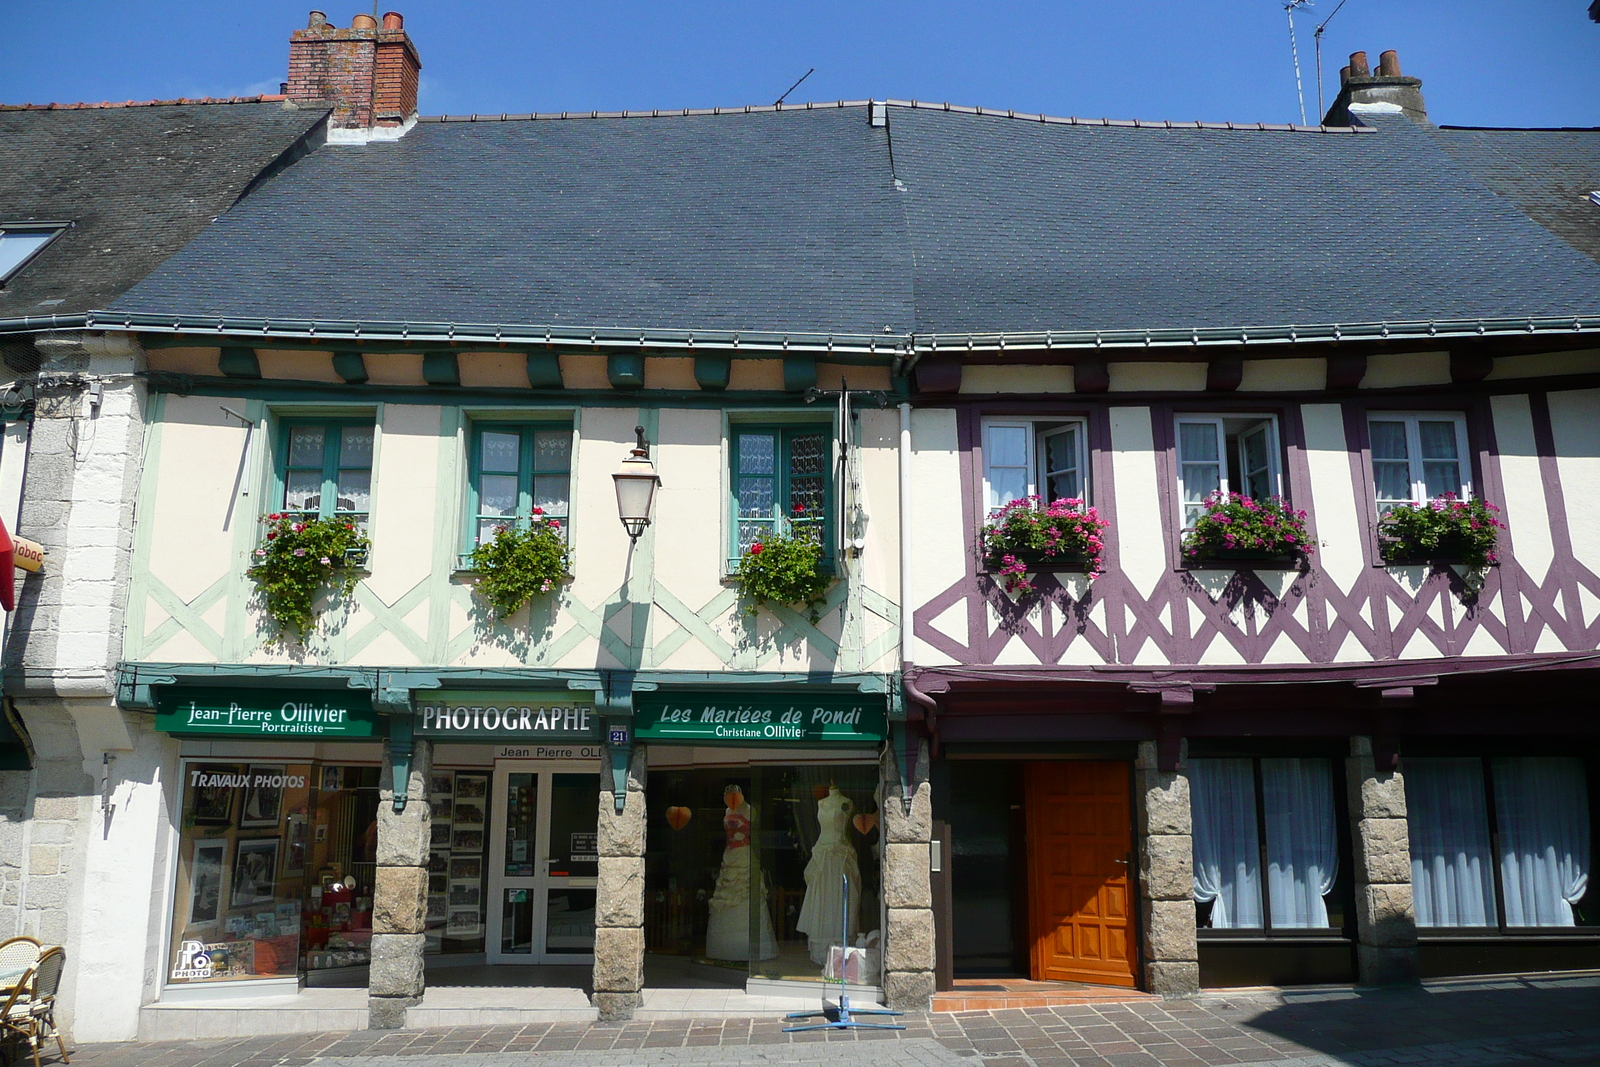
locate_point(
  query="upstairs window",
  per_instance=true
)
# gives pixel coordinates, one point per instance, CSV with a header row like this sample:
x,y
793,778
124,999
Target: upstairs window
x,y
1416,458
517,467
327,467
20,242
1023,457
1226,454
781,480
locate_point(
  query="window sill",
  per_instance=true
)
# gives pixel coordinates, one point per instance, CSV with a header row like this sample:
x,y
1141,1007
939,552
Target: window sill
x,y
1259,937
1034,561
1227,561
1478,935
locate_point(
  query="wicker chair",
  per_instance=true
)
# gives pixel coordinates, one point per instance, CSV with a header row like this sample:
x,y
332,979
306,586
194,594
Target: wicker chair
x,y
17,952
29,1012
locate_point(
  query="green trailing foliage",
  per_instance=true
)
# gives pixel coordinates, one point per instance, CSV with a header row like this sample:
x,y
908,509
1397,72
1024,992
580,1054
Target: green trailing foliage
x,y
1239,527
1028,532
1443,530
521,562
785,569
298,558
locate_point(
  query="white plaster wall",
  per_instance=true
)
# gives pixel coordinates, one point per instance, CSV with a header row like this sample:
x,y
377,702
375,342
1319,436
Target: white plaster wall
x,y
1527,515
1396,369
405,498
1140,537
688,537
1546,364
1333,505
1575,423
1134,377
938,534
191,529
1283,375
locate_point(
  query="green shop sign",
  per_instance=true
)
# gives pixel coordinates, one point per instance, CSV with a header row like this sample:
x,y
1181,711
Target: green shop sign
x,y
468,715
742,718
280,713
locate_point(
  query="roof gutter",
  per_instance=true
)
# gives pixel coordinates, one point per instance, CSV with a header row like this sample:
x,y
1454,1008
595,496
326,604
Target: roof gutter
x,y
907,349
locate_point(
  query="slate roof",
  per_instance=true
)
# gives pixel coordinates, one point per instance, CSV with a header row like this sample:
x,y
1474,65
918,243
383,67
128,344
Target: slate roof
x,y
953,223
137,182
1549,174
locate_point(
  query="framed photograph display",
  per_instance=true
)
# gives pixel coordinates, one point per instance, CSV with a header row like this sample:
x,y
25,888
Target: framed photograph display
x,y
294,862
332,779
441,784
472,786
467,841
263,798
212,805
205,881
255,872
464,923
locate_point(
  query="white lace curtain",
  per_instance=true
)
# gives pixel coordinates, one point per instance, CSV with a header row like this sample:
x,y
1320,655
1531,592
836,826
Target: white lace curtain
x,y
1222,795
1451,879
1542,810
1302,842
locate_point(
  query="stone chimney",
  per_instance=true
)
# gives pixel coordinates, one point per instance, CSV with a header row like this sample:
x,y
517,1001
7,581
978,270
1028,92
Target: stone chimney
x,y
1360,90
368,72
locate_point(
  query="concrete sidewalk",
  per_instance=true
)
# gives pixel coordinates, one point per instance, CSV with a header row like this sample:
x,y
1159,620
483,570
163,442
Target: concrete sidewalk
x,y
1501,1022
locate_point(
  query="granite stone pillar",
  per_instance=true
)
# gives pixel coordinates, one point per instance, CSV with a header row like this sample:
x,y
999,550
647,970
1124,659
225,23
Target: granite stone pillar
x,y
1386,920
619,897
1164,828
400,895
908,940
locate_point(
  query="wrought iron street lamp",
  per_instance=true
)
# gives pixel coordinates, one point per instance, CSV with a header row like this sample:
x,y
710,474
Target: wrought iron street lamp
x,y
637,482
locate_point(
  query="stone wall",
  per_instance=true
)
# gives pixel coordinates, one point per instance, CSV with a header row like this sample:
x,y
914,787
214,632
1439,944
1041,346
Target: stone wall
x,y
619,898
1386,923
908,943
1171,956
400,897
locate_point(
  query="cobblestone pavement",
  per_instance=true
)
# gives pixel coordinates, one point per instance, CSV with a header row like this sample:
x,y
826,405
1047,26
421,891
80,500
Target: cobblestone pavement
x,y
1494,1023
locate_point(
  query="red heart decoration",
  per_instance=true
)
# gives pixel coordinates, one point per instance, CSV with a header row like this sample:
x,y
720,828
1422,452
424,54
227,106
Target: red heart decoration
x,y
819,791
865,822
678,818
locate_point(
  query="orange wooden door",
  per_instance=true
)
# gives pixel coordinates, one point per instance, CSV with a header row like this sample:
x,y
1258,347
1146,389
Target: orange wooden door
x,y
1080,842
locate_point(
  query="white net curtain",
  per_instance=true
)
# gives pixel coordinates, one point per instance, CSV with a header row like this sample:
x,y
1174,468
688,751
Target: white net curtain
x,y
1541,809
1302,853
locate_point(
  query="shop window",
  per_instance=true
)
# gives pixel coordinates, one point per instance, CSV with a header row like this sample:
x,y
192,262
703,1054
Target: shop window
x,y
457,864
1044,458
1416,458
275,870
747,868
1500,843
781,483
1272,815
518,470
325,467
1226,454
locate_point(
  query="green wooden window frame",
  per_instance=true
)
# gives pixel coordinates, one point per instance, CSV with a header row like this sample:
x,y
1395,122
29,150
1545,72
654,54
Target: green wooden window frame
x,y
773,470
543,475
340,469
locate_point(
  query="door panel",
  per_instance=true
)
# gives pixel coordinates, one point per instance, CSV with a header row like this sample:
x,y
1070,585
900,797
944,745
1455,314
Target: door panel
x,y
543,863
1080,842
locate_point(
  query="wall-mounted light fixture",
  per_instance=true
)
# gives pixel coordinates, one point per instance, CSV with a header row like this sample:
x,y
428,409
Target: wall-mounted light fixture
x,y
637,482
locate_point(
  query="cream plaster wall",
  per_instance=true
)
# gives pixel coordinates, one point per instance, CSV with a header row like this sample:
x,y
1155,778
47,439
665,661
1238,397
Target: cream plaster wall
x,y
584,372
835,375
1024,378
297,365
755,374
675,372
1546,364
1140,539
879,563
195,512
185,360
406,504
939,542
1334,506
1392,370
395,368
689,541
1283,375
1132,377
1526,512
1575,423
494,370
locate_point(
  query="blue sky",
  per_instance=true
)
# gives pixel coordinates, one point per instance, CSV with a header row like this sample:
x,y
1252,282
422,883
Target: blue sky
x,y
1483,62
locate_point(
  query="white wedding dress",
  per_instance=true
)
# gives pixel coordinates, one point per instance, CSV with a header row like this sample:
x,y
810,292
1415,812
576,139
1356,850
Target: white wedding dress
x,y
728,928
833,858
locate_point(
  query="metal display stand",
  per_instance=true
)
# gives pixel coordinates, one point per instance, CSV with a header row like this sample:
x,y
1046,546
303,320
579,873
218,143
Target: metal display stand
x,y
840,1018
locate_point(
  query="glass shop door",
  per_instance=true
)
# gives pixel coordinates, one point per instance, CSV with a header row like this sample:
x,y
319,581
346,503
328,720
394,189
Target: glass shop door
x,y
543,862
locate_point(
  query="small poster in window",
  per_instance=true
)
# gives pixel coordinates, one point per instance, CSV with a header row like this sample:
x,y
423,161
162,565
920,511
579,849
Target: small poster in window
x,y
255,872
466,867
471,785
263,797
464,895
441,784
467,841
205,881
469,816
443,809
332,779
211,804
463,923
295,862
440,835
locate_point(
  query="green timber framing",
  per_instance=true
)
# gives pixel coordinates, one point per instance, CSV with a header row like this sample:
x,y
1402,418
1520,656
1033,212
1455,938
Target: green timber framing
x,y
395,693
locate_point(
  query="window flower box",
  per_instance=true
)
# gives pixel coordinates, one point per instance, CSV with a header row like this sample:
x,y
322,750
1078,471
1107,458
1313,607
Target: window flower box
x,y
1248,534
1028,535
786,567
1444,531
520,562
298,557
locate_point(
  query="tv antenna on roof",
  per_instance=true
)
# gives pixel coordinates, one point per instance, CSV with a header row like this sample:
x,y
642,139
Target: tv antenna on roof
x,y
1289,9
795,86
1318,36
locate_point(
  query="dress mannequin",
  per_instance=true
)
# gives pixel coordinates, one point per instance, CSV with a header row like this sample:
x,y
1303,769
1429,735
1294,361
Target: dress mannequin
x,y
728,928
832,856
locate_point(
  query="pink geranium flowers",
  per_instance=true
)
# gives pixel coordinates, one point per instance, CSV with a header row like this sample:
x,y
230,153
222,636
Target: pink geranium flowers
x,y
1027,532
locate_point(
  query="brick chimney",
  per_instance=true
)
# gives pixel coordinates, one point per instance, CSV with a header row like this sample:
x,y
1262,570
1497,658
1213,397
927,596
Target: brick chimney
x,y
1386,91
368,72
